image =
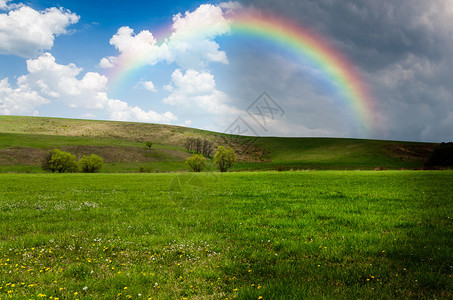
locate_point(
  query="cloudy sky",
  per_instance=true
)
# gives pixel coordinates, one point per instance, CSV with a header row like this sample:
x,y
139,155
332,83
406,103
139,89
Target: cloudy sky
x,y
183,63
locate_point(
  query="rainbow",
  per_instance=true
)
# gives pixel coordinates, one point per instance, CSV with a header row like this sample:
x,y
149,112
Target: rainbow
x,y
309,46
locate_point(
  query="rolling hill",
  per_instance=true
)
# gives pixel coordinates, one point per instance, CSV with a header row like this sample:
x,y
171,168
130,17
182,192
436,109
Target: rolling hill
x,y
24,141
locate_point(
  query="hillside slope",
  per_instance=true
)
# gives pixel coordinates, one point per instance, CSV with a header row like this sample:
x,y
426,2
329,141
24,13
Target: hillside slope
x,y
25,140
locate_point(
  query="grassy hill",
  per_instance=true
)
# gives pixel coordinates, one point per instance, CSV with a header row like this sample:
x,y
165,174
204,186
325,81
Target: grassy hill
x,y
25,140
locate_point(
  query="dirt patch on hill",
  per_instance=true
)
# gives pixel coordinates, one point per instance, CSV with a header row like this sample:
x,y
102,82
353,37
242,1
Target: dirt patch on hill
x,y
419,152
246,149
127,154
21,156
33,156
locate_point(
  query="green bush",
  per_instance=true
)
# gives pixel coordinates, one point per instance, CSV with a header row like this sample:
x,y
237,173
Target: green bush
x,y
61,162
196,162
148,145
91,164
224,158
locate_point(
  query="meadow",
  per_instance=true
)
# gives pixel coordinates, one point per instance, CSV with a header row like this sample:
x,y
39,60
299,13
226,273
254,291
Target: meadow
x,y
25,141
244,235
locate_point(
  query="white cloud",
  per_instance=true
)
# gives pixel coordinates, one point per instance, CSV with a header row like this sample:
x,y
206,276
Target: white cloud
x,y
148,85
60,82
121,111
48,81
105,63
89,116
18,101
25,31
231,5
197,91
190,45
5,6
135,47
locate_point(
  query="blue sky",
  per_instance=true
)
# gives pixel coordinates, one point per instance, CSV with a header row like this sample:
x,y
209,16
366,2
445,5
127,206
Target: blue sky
x,y
57,59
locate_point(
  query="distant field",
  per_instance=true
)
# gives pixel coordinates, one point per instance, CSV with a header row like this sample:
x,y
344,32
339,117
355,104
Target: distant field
x,y
275,235
24,141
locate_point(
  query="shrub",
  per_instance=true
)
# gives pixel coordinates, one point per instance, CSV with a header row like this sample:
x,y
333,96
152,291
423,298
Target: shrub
x,y
196,162
148,145
224,158
62,162
91,164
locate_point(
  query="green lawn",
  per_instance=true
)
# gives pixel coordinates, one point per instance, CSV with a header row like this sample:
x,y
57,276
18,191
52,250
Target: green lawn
x,y
275,235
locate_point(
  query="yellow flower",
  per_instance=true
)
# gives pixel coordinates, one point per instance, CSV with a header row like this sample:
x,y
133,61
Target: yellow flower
x,y
260,297
125,287
75,293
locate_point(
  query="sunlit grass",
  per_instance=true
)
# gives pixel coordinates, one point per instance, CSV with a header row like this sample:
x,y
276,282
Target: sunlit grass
x,y
236,235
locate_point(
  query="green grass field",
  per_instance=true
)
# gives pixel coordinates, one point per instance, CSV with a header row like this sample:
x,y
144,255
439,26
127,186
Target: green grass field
x,y
260,235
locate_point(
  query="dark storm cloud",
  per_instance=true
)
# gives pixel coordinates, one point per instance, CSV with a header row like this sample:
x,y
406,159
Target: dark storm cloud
x,y
402,48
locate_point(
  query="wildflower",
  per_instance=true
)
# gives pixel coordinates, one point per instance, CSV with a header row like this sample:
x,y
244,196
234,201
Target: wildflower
x,y
260,297
75,293
85,288
125,287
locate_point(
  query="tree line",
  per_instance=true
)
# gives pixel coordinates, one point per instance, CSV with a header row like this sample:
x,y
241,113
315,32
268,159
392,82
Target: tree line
x,y
199,146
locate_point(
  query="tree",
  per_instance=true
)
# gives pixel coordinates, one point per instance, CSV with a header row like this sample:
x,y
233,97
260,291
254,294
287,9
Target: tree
x,y
207,148
62,162
148,145
196,162
224,158
91,164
